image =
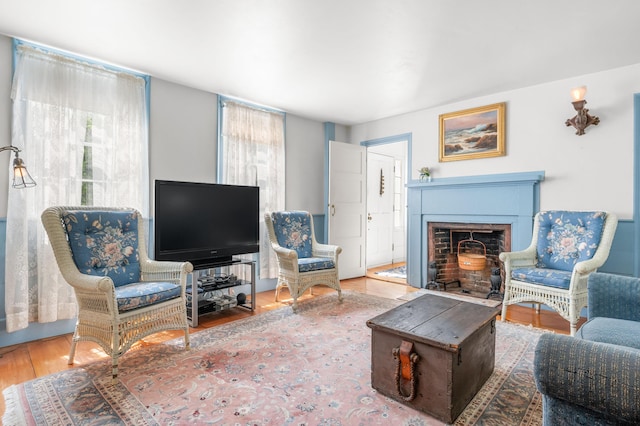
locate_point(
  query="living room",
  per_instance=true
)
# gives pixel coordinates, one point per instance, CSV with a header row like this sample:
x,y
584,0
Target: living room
x,y
595,171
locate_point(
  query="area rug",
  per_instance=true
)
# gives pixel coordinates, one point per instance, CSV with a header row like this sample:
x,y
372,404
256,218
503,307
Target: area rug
x,y
398,272
278,368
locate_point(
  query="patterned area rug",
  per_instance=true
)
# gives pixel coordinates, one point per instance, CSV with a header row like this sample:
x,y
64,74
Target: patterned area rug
x,y
277,368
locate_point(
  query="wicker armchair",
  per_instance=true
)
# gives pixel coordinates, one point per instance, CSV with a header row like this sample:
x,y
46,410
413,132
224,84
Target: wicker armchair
x,y
565,248
302,262
122,295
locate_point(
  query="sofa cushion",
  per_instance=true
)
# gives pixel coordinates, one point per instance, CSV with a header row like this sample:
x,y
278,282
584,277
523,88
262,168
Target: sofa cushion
x,y
293,231
314,264
566,238
140,294
104,243
611,330
543,276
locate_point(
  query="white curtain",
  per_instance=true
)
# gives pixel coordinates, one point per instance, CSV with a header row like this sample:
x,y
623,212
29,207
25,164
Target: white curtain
x,y
253,154
57,102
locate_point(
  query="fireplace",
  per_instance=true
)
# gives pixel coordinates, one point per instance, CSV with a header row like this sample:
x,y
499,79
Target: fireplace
x,y
498,206
447,241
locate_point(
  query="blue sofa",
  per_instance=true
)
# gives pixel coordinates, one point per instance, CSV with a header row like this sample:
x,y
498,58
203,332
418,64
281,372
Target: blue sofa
x,y
594,377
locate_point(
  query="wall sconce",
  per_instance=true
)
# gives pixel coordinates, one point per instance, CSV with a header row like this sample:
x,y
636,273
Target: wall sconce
x,y
582,119
21,176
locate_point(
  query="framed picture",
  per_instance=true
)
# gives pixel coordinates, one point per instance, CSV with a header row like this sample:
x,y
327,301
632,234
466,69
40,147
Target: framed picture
x,y
472,133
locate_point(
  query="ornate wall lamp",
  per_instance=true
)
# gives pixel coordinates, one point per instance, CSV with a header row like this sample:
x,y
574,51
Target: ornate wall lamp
x,y
582,119
21,176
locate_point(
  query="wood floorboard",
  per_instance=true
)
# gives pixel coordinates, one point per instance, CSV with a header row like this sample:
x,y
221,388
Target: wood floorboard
x,y
27,361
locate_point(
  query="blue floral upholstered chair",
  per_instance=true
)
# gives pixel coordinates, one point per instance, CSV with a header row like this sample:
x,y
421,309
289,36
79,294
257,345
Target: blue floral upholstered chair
x,y
594,378
302,262
566,247
122,295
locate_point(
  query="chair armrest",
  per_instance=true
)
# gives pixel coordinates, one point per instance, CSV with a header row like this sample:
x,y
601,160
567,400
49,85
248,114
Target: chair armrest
x,y
89,283
154,270
519,258
285,252
326,250
156,266
604,247
597,376
591,265
614,296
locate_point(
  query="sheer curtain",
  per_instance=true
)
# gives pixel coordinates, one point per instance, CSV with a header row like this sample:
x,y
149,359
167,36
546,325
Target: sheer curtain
x,y
253,154
61,108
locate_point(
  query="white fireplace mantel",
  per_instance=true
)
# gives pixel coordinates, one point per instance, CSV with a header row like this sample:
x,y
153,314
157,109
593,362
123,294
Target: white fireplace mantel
x,y
512,198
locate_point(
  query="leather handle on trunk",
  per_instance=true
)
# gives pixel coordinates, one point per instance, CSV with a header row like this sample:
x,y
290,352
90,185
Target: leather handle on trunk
x,y
406,361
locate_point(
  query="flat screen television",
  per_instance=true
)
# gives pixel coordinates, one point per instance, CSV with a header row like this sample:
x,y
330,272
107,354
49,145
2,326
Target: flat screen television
x,y
205,224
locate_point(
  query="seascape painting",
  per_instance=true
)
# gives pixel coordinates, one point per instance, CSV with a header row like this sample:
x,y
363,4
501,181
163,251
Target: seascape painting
x,y
473,133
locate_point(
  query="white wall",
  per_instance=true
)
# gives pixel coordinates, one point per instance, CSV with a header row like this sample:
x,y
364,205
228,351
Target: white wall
x,y
593,171
183,131
305,165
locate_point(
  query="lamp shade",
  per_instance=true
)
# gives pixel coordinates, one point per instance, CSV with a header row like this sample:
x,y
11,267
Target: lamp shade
x,y
578,93
21,176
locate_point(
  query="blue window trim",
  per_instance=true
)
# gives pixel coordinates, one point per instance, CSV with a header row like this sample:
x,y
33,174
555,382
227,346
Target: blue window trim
x,y
221,100
145,77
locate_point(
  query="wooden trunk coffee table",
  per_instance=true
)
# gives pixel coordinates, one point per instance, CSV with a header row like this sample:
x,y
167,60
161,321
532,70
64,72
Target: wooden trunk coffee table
x,y
433,353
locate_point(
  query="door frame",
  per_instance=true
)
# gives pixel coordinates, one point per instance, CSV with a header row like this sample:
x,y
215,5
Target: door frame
x,y
330,134
404,137
381,184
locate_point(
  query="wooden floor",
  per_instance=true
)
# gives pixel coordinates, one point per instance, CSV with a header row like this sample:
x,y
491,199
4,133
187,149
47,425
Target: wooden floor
x,y
27,361
372,273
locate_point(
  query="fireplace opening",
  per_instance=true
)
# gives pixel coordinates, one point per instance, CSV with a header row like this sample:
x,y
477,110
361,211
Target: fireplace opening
x,y
464,255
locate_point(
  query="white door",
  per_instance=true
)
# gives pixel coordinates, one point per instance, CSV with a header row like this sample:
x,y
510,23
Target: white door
x,y
347,205
380,197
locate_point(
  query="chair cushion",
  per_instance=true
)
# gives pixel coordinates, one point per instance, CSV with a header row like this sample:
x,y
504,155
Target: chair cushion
x,y
566,238
543,276
105,243
611,330
314,264
141,294
293,231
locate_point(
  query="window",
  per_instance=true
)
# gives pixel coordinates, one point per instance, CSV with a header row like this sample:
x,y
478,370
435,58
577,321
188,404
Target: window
x,y
82,129
251,152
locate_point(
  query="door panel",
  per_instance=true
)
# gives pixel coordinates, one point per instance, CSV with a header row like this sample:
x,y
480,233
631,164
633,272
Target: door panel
x,y
347,206
380,198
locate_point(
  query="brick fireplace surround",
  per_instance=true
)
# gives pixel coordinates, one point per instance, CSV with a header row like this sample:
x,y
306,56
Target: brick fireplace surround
x,y
445,241
499,209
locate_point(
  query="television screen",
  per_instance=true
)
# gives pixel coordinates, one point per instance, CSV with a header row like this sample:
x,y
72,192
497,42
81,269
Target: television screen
x,y
205,224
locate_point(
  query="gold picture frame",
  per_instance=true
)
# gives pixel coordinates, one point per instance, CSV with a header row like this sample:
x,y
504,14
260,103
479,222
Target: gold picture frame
x,y
472,133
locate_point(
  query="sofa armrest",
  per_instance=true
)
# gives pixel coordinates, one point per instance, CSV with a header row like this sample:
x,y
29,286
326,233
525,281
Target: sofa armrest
x,y
599,377
614,296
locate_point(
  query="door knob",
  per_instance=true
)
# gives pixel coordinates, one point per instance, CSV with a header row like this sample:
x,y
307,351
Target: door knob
x,y
369,218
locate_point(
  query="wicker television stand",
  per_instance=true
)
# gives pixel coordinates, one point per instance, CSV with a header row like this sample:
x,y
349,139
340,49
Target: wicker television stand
x,y
214,286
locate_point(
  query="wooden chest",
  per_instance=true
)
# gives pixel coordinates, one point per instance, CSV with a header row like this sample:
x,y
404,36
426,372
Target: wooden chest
x,y
433,353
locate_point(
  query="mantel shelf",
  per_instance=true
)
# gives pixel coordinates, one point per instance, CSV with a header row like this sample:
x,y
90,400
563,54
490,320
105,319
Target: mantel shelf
x,y
503,178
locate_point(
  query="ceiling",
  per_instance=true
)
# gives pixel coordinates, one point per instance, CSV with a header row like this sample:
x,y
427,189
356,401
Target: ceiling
x,y
343,61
